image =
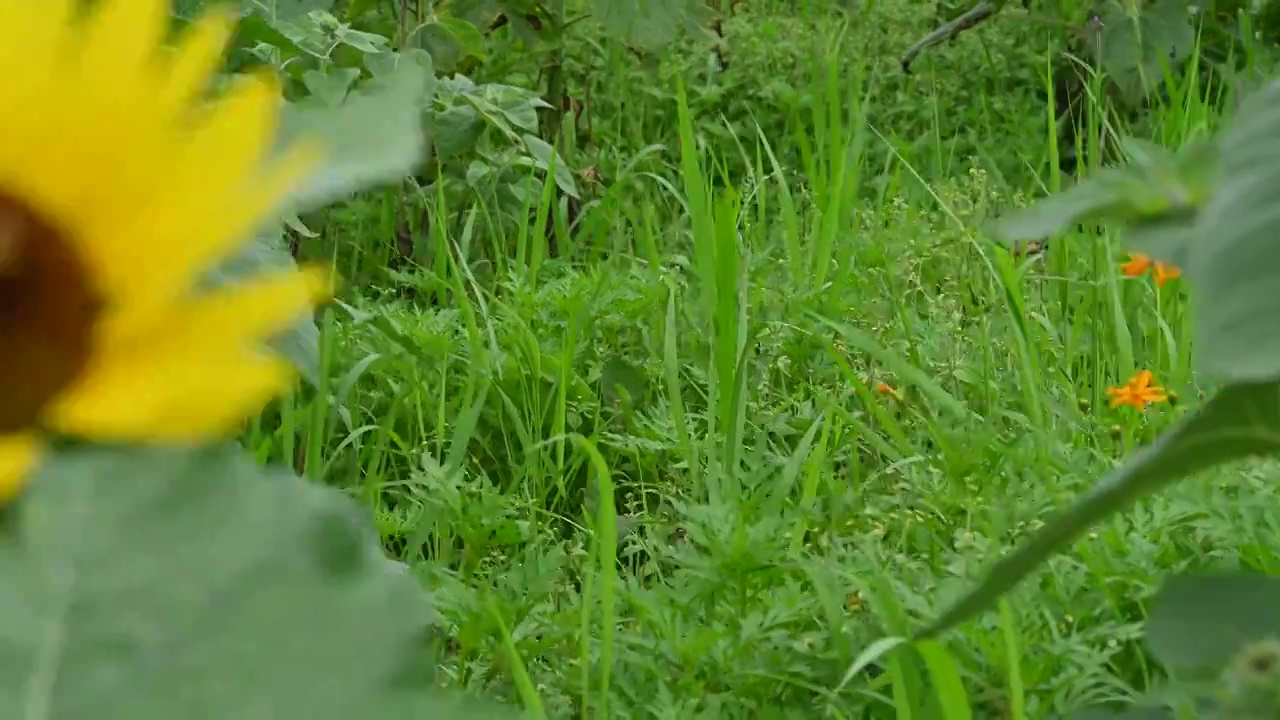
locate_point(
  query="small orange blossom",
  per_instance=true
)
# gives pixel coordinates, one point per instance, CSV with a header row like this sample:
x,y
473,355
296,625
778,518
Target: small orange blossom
x,y
1138,392
1139,264
886,389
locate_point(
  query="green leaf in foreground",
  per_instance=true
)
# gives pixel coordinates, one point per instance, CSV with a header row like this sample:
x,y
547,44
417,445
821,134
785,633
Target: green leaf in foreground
x,y
1199,623
375,136
1236,263
1239,421
190,584
1157,188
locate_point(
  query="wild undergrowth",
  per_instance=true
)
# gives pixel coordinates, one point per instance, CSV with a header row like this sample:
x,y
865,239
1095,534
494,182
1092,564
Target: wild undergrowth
x,y
778,396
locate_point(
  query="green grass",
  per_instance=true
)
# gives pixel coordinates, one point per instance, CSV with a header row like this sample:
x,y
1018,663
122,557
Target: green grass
x,y
654,477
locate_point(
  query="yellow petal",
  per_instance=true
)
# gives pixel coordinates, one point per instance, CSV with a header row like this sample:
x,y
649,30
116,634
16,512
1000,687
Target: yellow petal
x,y
119,39
18,456
43,33
179,398
237,316
197,57
224,184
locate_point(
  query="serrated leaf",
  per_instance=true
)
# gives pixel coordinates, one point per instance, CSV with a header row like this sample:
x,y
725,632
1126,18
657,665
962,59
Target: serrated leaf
x,y
160,584
375,136
1235,265
1198,623
1239,421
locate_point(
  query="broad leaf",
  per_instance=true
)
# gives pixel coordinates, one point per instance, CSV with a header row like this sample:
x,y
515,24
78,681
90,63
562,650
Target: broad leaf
x,y
1103,196
161,584
374,137
1235,265
545,156
1136,45
1239,421
648,24
1199,623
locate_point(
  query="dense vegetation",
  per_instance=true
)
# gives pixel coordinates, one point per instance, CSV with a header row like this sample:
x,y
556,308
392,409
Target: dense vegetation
x,y
729,272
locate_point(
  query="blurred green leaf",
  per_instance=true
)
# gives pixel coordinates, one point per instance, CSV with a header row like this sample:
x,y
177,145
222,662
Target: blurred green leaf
x,y
192,584
1199,623
1235,264
1102,197
1239,421
1156,187
375,136
649,24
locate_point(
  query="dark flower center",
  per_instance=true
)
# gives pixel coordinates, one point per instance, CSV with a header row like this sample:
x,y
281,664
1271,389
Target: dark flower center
x,y
48,308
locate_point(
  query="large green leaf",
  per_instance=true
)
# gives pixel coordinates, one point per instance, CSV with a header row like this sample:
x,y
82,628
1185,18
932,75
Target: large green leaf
x,y
649,24
191,584
1199,623
1155,189
375,136
1239,421
1138,43
1235,265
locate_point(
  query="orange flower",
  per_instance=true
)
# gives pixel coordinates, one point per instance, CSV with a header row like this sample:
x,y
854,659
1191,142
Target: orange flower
x,y
1138,392
886,389
1139,264
1164,273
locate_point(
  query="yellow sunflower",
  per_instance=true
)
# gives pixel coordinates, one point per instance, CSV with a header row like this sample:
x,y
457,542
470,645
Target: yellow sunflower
x,y
119,189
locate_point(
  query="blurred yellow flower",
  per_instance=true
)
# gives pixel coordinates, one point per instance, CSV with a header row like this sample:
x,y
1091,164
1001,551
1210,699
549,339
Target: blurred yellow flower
x,y
119,190
1139,392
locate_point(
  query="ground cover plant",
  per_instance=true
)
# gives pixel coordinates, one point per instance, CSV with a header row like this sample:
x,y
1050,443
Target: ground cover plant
x,y
703,363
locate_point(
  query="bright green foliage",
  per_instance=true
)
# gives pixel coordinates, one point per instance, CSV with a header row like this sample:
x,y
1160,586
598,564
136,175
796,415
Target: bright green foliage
x,y
1240,421
170,583
1217,206
777,510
